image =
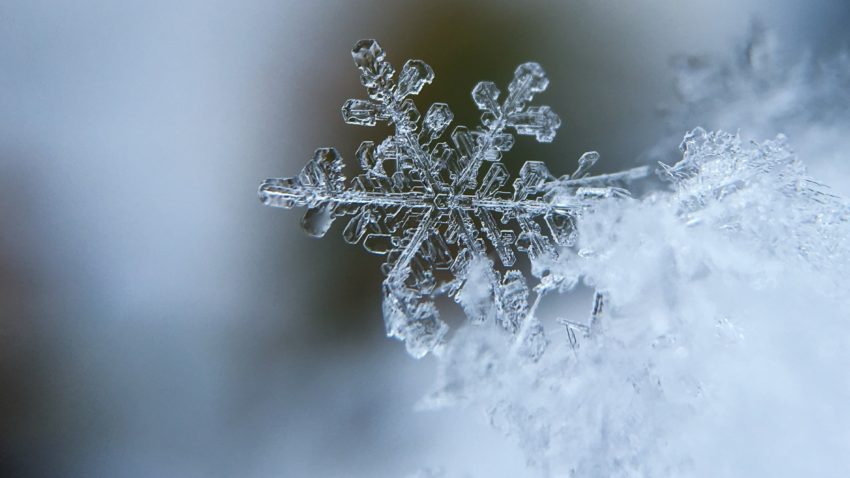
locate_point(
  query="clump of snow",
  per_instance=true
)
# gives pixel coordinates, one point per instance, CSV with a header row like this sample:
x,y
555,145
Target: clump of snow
x,y
725,339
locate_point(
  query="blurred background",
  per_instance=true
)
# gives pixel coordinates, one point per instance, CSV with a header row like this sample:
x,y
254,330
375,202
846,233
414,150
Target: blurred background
x,y
156,320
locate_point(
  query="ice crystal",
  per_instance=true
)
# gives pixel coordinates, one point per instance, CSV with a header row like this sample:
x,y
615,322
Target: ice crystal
x,y
765,88
436,208
728,195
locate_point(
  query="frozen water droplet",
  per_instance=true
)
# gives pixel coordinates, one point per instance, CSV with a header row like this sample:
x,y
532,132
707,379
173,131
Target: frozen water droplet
x,y
318,220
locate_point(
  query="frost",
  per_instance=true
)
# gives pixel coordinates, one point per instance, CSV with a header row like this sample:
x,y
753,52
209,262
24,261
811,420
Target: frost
x,y
437,208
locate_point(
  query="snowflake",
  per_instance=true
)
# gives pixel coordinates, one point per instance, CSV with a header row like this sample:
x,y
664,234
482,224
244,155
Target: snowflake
x,y
428,205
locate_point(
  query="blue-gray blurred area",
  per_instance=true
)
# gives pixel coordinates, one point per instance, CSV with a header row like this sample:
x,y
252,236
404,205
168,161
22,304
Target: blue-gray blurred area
x,y
156,320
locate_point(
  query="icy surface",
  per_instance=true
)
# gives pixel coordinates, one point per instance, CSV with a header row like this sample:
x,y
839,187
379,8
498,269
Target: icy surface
x,y
437,208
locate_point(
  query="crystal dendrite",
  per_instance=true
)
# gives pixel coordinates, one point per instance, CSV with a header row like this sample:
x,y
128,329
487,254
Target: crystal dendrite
x,y
438,208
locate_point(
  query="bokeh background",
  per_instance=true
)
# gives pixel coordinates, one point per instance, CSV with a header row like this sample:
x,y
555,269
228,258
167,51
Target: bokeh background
x,y
155,320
